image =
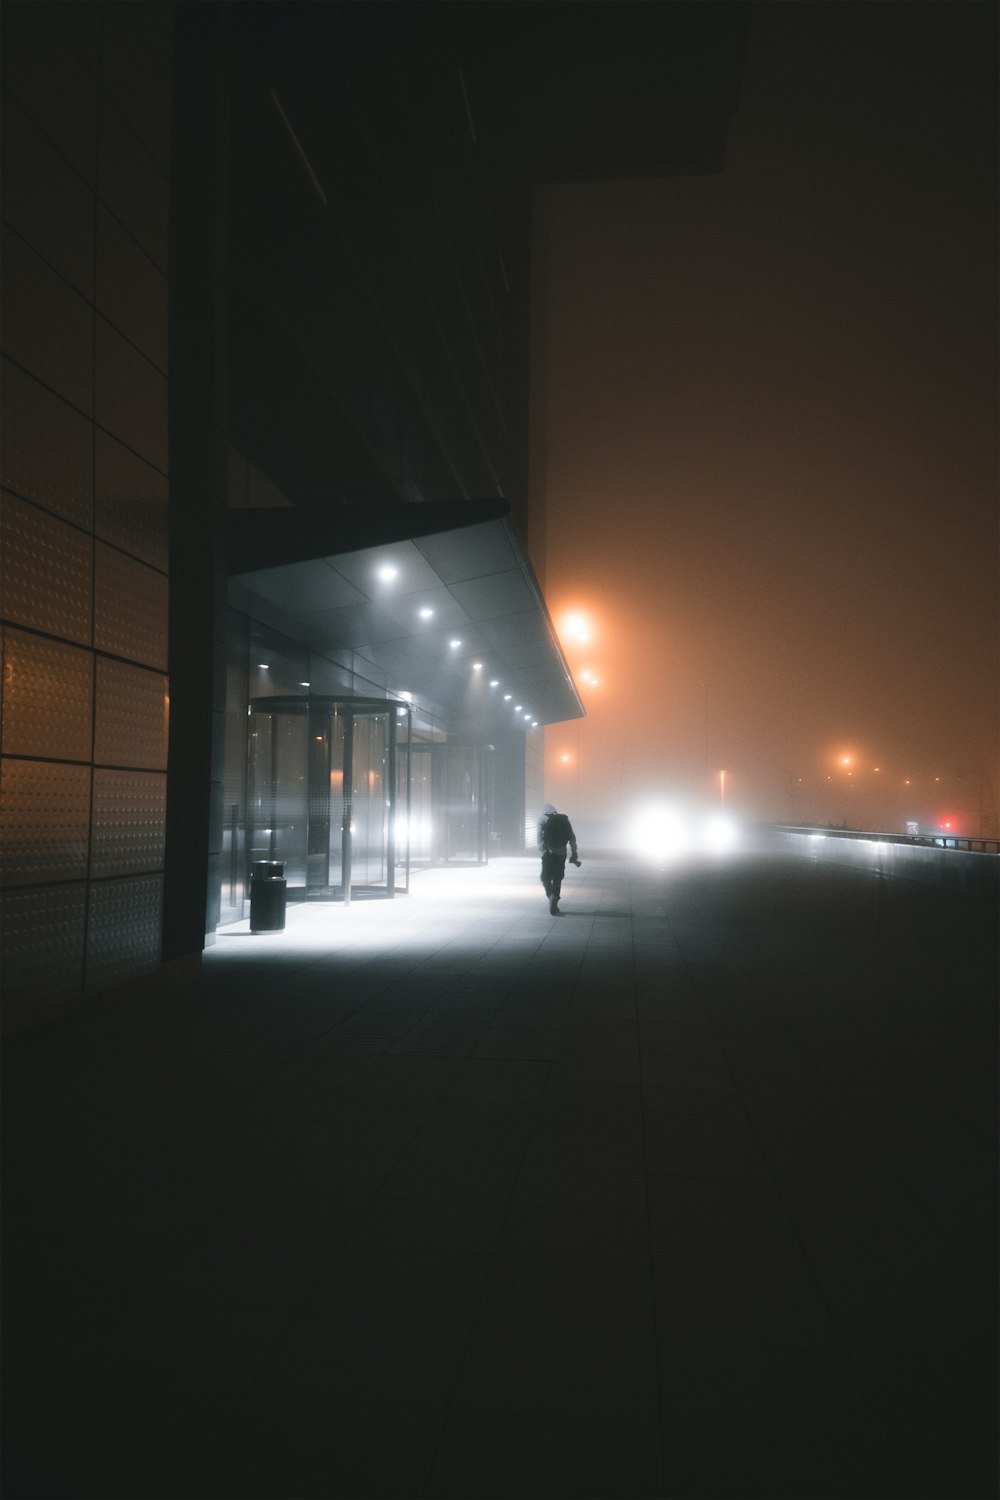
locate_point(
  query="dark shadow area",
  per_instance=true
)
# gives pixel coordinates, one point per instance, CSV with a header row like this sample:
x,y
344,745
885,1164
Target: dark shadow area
x,y
456,1199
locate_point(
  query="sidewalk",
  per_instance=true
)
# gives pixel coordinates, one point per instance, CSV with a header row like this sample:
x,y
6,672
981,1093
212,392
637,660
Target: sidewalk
x,y
688,1192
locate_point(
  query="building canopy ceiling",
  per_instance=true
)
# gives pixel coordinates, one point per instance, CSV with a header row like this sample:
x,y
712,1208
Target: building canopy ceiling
x,y
425,606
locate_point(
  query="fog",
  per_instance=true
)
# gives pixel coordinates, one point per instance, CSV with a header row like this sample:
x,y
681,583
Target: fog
x,y
765,415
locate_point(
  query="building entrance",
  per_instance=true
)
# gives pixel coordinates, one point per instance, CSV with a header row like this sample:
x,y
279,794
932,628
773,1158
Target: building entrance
x,y
450,803
328,794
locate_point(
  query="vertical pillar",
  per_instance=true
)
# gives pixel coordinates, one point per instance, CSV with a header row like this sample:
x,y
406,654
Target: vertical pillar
x,y
198,448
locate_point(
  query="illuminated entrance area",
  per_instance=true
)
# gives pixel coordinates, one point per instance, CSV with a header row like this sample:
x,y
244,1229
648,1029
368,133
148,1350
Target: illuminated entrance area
x,y
328,794
450,801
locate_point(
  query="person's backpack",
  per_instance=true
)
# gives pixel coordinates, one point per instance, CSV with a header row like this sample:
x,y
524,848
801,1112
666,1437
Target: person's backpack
x,y
556,833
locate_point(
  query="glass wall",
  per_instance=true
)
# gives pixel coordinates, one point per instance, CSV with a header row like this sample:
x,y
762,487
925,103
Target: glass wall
x,y
348,789
462,804
323,777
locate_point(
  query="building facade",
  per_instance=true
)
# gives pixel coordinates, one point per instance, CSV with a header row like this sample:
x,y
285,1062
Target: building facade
x,y
269,567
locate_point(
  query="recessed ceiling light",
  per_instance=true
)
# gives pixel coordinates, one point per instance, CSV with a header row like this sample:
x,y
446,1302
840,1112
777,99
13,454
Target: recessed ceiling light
x,y
426,613
518,707
527,716
494,682
263,666
477,666
453,644
387,572
506,697
305,684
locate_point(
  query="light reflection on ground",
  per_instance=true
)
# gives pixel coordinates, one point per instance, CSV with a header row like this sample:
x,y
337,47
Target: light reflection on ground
x,y
440,902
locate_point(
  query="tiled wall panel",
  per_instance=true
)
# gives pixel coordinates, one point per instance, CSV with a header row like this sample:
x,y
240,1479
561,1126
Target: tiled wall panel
x,y
45,811
131,290
131,728
51,81
123,930
46,327
46,569
130,502
133,186
128,822
41,947
83,521
46,447
45,199
131,397
130,608
47,698
80,25
153,21
137,81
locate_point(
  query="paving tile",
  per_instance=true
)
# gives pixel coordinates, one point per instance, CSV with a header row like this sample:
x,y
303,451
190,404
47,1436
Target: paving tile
x,y
226,1267
415,1283
357,1172
467,1130
548,1293
454,1228
859,1231
547,1230
518,1042
611,1139
375,1354
570,1370
593,1081
452,1044
433,1179
702,1133
506,1456
285,1441
908,1338
499,1080
791,1437
717,1342
560,1179
726,1227
130,1437
46,1332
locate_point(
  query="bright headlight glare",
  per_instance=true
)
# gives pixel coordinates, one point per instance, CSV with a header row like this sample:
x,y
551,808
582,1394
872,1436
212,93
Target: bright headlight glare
x,y
662,833
659,833
719,834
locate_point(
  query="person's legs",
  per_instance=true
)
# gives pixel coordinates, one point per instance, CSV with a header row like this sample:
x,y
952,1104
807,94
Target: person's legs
x,y
553,869
556,868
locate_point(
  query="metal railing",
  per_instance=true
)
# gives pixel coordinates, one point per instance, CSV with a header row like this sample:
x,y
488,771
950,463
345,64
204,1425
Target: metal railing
x,y
966,842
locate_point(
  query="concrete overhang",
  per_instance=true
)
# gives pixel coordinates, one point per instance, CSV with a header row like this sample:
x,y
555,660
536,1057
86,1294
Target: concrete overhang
x,y
315,576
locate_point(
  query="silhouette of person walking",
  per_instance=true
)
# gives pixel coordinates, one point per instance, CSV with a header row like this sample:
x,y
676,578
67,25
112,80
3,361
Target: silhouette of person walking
x,y
555,831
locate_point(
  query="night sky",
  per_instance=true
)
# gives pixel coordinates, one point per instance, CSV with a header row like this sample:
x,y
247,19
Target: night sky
x,y
765,407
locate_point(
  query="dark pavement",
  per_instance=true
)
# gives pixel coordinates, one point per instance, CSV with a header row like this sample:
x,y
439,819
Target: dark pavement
x,y
688,1192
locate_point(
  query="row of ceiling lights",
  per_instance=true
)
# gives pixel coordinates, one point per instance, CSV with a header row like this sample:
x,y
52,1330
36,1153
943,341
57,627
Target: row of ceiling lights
x,y
387,572
477,666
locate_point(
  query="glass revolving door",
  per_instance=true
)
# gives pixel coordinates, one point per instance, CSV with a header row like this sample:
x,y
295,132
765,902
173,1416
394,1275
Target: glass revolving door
x,y
323,779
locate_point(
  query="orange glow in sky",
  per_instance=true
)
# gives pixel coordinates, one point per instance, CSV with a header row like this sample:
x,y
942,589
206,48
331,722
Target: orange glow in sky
x,y
710,575
576,628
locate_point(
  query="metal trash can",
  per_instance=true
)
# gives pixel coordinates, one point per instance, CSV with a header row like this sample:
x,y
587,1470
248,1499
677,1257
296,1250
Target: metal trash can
x,y
267,896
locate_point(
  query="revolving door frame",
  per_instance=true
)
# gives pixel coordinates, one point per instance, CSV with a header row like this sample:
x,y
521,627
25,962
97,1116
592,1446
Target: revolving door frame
x,y
318,708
